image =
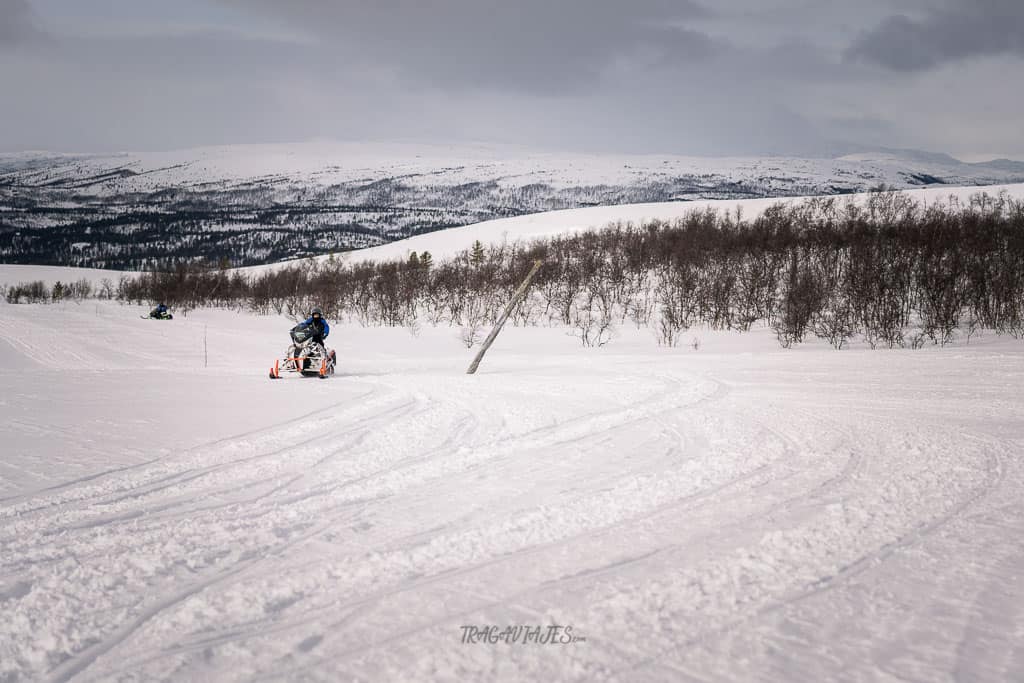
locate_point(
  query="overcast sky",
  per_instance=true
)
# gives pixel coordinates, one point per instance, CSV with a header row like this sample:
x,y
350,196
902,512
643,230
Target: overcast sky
x,y
664,76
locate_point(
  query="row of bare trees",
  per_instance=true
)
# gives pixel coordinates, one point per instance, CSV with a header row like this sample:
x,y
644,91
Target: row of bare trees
x,y
38,291
889,271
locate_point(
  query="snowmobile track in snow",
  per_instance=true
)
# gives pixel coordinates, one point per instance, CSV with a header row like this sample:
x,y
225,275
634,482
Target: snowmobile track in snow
x,y
674,507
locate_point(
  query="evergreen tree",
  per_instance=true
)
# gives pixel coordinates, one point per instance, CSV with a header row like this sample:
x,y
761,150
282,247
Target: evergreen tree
x,y
476,257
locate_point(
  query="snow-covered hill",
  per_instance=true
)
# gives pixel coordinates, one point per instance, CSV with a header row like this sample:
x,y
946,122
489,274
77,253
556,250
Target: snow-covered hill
x,y
332,163
522,229
727,512
258,204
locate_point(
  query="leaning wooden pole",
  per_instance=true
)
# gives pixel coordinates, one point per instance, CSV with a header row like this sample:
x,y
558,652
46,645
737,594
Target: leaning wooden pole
x,y
520,293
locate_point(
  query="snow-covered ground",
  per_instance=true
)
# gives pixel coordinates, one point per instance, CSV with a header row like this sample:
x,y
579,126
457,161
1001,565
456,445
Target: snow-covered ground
x,y
16,273
323,163
543,225
523,229
732,512
245,202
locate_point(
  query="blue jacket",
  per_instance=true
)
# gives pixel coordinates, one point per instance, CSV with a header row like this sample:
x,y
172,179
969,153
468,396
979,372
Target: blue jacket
x,y
323,321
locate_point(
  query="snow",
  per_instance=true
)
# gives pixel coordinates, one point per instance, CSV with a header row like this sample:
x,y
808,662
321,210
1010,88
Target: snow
x,y
737,512
523,229
14,273
731,512
324,162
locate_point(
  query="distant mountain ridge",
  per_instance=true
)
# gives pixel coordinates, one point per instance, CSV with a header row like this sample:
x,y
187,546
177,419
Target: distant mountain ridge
x,y
943,159
1003,165
252,204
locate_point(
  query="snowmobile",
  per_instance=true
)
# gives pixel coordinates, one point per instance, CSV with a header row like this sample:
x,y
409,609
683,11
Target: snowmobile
x,y
159,313
305,356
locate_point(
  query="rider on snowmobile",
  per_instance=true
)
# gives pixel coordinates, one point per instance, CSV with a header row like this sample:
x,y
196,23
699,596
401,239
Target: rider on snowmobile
x,y
320,327
160,312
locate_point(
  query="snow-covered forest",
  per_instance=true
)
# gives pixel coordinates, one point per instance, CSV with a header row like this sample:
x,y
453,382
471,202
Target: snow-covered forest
x,y
887,272
260,204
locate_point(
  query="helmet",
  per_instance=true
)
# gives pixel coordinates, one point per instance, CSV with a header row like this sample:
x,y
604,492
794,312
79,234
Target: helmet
x,y
316,312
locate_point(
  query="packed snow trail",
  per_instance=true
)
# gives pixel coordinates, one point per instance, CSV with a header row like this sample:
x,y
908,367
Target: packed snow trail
x,y
734,513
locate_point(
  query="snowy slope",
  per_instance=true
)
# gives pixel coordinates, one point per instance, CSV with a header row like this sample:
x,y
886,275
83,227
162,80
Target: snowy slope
x,y
258,204
736,512
327,162
522,229
525,228
13,273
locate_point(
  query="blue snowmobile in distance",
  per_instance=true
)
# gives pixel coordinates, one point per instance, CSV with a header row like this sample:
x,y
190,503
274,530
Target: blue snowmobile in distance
x,y
161,312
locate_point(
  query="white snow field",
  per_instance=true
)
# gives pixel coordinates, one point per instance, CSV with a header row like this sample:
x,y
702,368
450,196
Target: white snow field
x,y
14,273
736,512
522,229
325,162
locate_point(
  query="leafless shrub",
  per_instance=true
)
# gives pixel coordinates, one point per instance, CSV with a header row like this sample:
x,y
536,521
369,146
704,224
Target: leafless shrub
x,y
79,291
917,339
834,324
668,331
471,335
592,321
29,292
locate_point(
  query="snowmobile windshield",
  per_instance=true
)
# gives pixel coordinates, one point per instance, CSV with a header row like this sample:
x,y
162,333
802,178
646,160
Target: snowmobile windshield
x,y
302,333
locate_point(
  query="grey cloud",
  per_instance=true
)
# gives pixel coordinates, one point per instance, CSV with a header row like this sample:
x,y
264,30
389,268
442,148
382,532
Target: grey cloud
x,y
532,46
17,23
951,33
659,76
